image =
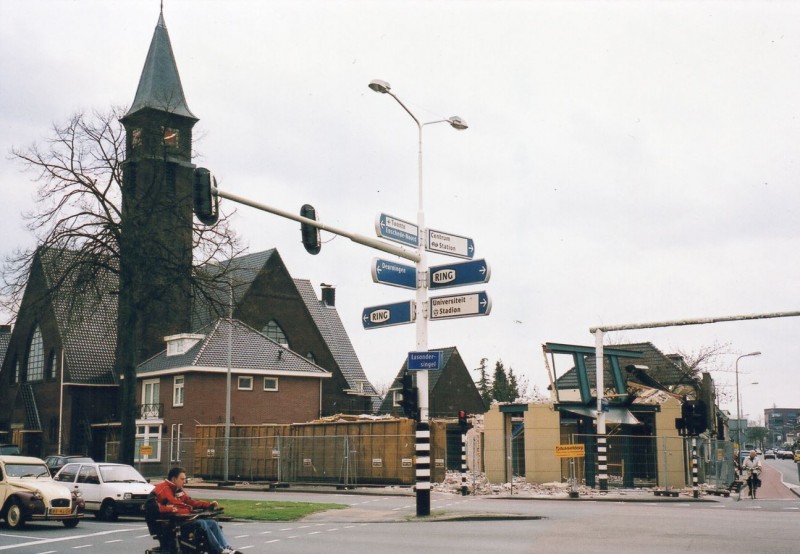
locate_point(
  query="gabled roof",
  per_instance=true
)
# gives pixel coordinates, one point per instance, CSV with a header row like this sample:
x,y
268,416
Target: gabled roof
x,y
86,315
661,369
241,271
327,321
250,351
433,377
160,84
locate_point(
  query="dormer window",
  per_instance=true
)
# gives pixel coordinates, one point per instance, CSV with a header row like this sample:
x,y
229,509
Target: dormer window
x,y
181,344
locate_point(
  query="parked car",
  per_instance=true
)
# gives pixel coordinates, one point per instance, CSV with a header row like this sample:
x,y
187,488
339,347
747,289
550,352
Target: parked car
x,y
56,462
770,454
7,449
797,456
109,490
784,454
29,493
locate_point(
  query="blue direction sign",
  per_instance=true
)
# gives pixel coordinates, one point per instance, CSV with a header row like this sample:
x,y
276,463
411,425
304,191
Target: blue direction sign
x,y
394,274
392,228
460,305
388,315
424,360
458,274
450,244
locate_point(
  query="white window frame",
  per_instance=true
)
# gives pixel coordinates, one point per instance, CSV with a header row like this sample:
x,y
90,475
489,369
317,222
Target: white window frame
x,y
178,391
175,436
397,396
242,378
154,386
271,389
148,432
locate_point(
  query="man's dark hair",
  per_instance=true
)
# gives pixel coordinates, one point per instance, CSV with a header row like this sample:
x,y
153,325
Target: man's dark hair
x,y
174,472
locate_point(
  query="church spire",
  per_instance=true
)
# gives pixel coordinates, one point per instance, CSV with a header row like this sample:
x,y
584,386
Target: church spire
x,y
160,85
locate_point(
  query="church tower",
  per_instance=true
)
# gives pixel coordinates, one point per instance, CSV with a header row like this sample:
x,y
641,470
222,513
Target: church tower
x,y
156,249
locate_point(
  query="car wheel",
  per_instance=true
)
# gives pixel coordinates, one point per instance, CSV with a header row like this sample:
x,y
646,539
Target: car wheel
x,y
71,523
14,517
108,511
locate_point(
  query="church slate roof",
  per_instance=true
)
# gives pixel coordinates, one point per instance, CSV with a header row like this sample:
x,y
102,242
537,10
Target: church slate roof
x,y
250,351
160,84
433,377
86,317
5,340
330,325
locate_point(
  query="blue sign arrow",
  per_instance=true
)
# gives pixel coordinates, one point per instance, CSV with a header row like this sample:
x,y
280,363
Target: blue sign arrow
x,y
392,228
459,305
458,274
394,274
388,315
430,360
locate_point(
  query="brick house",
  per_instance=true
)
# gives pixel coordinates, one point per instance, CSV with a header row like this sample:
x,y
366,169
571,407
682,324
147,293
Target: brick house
x,y
185,385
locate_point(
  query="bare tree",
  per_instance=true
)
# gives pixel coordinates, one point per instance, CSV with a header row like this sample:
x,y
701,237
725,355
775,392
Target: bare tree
x,y
78,208
79,211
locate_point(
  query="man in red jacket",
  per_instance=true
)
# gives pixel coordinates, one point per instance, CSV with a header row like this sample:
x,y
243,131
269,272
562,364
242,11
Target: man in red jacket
x,y
172,499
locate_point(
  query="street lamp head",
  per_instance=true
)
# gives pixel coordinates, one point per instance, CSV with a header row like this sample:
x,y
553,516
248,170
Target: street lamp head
x,y
457,123
754,354
380,86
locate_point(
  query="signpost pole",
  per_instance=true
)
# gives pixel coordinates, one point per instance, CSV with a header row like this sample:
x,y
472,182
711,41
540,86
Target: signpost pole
x,y
602,457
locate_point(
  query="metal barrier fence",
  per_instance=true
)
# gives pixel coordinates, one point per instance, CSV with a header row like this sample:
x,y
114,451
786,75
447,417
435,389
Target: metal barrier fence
x,y
652,462
340,460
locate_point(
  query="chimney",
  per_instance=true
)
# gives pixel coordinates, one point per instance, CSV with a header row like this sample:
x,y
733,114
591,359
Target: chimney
x,y
328,295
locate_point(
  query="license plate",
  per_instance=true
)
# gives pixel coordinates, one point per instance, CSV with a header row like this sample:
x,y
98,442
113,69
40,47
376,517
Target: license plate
x,y
60,511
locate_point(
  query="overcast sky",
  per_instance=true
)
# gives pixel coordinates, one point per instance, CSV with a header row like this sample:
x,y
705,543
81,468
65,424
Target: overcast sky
x,y
624,162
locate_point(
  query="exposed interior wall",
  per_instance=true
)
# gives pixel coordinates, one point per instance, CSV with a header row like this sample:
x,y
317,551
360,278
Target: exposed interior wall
x,y
494,449
542,434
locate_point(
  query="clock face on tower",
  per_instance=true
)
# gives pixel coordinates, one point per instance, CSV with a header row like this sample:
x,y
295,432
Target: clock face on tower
x,y
171,137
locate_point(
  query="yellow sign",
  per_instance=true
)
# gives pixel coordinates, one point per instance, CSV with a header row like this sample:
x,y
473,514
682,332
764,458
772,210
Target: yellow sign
x,y
146,450
570,451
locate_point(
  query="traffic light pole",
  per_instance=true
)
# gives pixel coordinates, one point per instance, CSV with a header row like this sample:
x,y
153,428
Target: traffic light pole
x,y
358,239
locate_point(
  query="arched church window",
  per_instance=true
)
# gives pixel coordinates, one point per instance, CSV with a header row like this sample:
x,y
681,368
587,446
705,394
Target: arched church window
x,y
53,365
310,357
35,357
274,331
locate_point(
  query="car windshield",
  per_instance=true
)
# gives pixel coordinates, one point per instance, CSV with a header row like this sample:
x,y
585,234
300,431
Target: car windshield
x,y
27,470
121,474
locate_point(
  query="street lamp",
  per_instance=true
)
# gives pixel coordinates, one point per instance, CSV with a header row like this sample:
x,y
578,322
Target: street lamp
x,y
423,495
739,399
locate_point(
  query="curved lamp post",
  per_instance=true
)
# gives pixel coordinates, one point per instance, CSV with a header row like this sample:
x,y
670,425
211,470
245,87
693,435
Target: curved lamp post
x,y
423,462
739,399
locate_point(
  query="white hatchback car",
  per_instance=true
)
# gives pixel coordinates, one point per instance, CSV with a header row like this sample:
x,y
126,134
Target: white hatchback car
x,y
109,490
29,493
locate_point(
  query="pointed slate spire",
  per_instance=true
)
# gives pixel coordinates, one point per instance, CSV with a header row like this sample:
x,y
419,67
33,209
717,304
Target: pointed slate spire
x,y
160,85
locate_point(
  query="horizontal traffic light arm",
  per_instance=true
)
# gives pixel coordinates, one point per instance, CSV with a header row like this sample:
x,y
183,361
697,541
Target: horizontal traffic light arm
x,y
359,239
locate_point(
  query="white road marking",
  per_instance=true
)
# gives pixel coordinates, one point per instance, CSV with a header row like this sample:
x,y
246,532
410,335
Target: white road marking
x,y
70,538
245,547
17,536
241,536
273,540
115,540
82,546
315,532
265,533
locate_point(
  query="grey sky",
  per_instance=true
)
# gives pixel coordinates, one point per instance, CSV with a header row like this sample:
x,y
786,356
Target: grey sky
x,y
625,161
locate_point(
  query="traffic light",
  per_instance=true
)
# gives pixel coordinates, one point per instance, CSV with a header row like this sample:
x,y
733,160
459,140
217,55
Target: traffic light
x,y
694,416
462,421
309,233
409,400
206,202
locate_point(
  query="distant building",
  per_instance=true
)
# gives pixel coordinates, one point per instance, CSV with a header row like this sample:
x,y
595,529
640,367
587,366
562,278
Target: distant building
x,y
783,425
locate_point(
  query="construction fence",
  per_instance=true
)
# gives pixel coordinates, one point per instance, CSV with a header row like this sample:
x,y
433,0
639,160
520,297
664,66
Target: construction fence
x,y
652,462
344,453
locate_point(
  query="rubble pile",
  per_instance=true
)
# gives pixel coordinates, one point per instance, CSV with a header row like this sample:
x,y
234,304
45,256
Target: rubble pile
x,y
478,485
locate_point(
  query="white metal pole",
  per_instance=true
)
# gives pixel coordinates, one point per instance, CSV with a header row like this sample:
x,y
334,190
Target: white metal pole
x,y
602,457
228,385
61,406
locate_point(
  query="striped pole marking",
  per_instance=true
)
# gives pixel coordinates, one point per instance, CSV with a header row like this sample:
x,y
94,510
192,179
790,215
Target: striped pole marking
x,y
695,490
423,468
602,463
463,464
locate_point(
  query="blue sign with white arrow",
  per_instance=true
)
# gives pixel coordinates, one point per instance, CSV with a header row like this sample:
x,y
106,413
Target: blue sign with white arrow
x,y
388,315
458,274
394,274
430,360
392,228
